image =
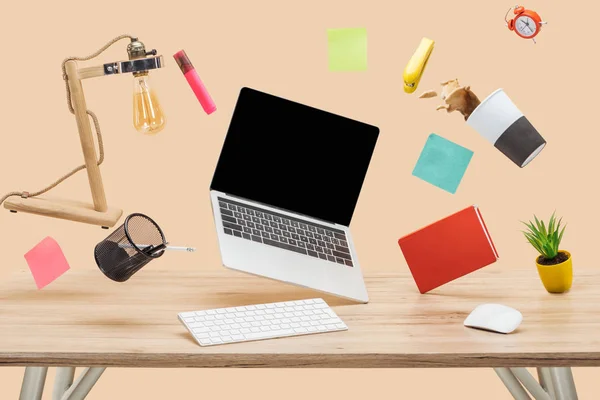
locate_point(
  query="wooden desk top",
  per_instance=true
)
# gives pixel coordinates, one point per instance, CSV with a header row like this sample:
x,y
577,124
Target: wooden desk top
x,y
84,319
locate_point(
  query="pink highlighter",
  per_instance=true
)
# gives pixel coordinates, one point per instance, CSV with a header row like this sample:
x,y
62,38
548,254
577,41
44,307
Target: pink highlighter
x,y
194,81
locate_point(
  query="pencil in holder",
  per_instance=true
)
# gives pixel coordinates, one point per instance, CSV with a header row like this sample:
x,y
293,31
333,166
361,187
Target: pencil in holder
x,y
130,247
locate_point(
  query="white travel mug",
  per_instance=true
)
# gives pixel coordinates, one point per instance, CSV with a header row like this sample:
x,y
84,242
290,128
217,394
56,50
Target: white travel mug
x,y
501,123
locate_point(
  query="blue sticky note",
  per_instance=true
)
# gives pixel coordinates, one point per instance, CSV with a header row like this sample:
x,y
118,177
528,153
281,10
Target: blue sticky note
x,y
442,163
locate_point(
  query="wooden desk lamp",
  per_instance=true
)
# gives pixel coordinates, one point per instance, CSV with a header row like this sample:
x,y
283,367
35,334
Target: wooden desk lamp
x,y
139,63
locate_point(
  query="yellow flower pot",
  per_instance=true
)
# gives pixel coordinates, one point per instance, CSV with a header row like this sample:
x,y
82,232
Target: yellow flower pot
x,y
559,277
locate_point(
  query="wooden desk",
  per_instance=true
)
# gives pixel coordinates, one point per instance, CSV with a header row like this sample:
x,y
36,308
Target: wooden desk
x,y
84,319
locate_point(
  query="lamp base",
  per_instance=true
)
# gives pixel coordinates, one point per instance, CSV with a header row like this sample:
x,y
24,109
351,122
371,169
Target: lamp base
x,y
65,209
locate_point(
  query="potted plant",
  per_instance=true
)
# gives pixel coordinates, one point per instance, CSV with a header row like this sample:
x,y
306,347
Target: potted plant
x,y
554,265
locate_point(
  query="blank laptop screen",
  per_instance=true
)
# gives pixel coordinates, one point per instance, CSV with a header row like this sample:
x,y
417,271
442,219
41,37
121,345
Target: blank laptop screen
x,y
294,157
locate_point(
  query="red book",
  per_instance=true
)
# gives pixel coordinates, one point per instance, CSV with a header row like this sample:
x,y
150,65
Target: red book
x,y
448,249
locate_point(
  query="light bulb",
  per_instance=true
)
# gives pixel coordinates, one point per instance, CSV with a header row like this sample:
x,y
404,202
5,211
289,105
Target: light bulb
x,y
147,114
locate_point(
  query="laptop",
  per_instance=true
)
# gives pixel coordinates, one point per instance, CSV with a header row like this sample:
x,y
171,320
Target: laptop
x,y
284,192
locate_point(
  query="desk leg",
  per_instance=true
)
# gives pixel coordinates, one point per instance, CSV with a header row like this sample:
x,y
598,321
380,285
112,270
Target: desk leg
x,y
512,383
84,383
546,381
532,386
62,382
33,383
563,382
554,383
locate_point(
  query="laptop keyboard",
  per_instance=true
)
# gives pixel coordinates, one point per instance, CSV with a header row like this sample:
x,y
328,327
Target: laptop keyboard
x,y
288,233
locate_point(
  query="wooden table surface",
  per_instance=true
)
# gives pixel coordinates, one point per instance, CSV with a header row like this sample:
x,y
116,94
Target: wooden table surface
x,y
84,319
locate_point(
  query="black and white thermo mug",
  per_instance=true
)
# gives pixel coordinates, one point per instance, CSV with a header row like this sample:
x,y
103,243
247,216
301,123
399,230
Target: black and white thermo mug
x,y
501,123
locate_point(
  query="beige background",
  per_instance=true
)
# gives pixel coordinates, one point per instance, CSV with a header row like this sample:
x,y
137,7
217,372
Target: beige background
x,y
281,47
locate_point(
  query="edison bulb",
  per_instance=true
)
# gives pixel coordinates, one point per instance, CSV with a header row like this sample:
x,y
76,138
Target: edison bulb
x,y
147,115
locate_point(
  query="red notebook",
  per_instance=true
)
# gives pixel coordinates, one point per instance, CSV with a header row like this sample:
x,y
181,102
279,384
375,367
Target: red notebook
x,y
448,249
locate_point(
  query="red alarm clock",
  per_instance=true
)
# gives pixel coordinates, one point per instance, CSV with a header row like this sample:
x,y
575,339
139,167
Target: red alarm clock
x,y
526,23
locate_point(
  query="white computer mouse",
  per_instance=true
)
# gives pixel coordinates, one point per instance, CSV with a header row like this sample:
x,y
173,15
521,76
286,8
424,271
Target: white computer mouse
x,y
495,318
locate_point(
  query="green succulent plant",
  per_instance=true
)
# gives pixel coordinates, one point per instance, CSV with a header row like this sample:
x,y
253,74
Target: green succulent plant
x,y
545,239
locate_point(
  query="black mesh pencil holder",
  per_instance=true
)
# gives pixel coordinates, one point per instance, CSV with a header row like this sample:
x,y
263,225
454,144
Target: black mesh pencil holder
x,y
131,246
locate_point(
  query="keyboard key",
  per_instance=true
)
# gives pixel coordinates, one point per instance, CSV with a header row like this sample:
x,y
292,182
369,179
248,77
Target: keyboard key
x,y
232,207
277,231
327,251
295,236
304,239
312,241
256,232
249,211
237,233
343,243
301,244
276,219
339,260
326,238
258,214
247,217
268,217
283,239
342,249
251,225
330,246
310,246
318,249
318,237
237,214
260,227
330,258
225,211
303,226
247,230
322,256
222,204
284,246
256,239
232,226
294,224
264,222
269,229
241,222
241,209
286,221
256,220
274,237
339,236
321,231
309,234
287,234
341,255
292,242
229,219
312,253
329,233
321,243
228,231
291,229
246,236
265,235
348,263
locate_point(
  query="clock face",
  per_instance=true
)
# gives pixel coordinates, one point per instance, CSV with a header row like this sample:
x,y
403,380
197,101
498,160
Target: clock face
x,y
525,26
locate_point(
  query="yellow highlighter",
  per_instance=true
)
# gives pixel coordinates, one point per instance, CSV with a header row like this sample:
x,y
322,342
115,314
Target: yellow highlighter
x,y
416,66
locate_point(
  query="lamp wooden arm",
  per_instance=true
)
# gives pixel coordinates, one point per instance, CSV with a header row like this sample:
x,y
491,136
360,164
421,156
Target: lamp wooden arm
x,y
98,213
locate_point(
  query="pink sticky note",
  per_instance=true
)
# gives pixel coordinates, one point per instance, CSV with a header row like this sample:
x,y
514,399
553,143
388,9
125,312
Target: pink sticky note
x,y
46,262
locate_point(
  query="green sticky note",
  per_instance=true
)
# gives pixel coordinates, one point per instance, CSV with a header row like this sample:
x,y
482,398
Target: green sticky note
x,y
347,49
442,163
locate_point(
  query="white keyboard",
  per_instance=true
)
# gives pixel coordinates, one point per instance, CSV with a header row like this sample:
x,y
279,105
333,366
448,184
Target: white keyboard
x,y
261,321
